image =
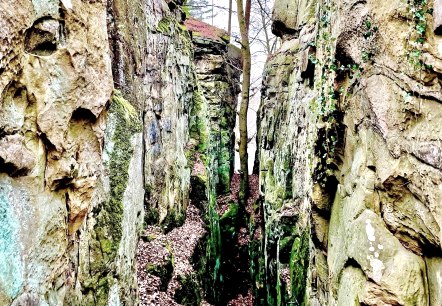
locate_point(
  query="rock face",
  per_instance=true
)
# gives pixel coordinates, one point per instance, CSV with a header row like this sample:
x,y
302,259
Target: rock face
x,y
95,137
349,152
55,84
113,115
218,68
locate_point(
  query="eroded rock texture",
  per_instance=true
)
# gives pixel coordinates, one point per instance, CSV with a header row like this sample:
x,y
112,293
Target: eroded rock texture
x,y
96,125
349,148
55,83
152,56
218,68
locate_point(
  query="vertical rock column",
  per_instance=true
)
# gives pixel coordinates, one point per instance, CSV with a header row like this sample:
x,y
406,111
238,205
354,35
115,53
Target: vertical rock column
x,y
211,145
217,69
286,131
152,63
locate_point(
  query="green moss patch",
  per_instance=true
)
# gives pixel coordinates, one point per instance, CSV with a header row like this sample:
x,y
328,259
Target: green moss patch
x,y
109,214
151,216
299,262
165,25
163,271
173,220
189,293
109,223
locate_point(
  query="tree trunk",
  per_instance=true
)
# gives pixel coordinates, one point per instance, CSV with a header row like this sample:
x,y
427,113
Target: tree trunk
x,y
247,16
212,12
229,26
244,20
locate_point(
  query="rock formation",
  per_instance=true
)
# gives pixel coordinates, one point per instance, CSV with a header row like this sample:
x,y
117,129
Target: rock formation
x,y
349,153
115,115
95,127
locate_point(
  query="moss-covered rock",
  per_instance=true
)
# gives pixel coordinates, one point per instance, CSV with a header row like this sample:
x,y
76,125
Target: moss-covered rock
x,y
109,215
189,293
109,219
173,220
299,263
165,25
164,270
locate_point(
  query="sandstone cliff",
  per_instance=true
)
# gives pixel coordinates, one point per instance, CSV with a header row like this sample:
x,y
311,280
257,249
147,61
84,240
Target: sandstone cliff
x,y
349,153
97,108
116,115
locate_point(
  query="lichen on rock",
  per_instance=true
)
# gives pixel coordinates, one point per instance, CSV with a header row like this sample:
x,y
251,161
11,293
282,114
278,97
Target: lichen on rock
x,y
351,102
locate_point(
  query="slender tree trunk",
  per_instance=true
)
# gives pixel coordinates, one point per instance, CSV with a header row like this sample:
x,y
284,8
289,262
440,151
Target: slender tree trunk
x,y
229,26
247,16
244,22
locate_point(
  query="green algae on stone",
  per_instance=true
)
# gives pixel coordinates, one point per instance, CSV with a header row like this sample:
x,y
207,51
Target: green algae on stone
x,y
257,270
109,225
151,216
189,293
209,153
199,125
10,274
228,224
213,251
165,25
207,257
108,229
198,193
299,262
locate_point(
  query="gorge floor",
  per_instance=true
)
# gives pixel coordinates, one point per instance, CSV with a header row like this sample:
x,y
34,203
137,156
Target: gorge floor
x,y
165,259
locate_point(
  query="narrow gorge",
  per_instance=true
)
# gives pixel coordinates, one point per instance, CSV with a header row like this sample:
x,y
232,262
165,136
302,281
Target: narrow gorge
x,y
117,156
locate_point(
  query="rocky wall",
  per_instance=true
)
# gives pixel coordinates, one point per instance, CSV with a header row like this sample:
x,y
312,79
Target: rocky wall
x,y
218,68
211,145
152,56
94,126
56,80
349,152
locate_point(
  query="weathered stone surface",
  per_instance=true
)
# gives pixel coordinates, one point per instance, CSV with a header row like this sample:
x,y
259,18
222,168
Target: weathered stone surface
x,y
283,116
437,15
434,273
27,228
350,286
408,218
290,16
153,67
371,140
373,294
15,157
218,73
55,83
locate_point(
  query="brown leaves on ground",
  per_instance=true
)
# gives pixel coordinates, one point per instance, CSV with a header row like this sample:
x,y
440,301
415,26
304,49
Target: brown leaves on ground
x,y
154,249
225,200
155,246
242,300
